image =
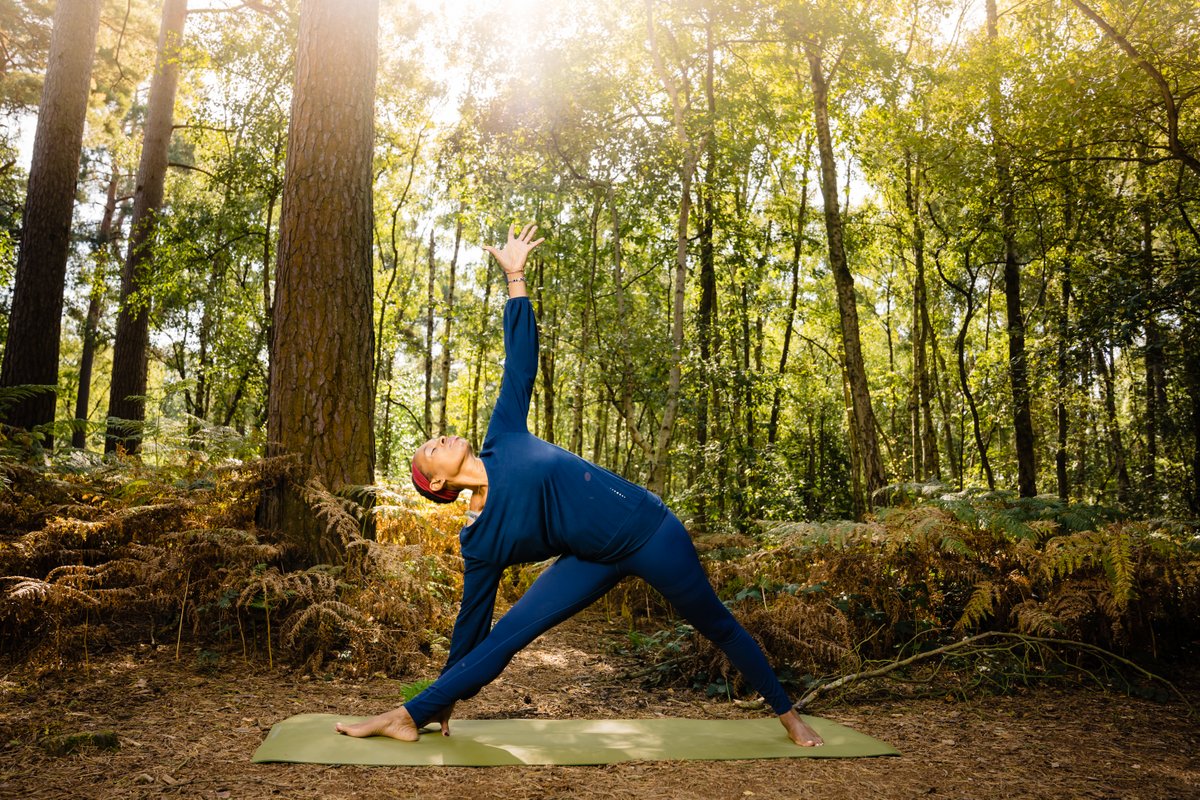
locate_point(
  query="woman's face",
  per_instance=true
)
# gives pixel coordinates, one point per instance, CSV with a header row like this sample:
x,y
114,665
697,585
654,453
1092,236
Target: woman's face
x,y
441,459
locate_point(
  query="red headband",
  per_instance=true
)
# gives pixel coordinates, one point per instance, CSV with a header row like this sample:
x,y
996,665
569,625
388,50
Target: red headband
x,y
422,483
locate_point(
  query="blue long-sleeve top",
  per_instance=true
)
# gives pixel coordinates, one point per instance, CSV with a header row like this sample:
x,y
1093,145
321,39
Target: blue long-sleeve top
x,y
542,501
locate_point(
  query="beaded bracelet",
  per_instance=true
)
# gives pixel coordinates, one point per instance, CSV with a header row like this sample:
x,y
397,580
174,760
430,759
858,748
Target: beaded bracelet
x,y
517,280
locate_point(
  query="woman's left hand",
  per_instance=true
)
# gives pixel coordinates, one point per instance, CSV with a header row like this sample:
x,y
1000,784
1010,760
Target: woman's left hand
x,y
443,718
512,256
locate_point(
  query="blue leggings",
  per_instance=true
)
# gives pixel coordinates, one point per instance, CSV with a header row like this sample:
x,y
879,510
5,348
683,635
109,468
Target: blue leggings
x,y
667,561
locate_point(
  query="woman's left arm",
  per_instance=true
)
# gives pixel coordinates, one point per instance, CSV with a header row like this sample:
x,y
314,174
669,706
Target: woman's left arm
x,y
513,255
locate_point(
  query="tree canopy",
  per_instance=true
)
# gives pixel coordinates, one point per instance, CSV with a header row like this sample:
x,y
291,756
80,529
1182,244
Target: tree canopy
x,y
1004,195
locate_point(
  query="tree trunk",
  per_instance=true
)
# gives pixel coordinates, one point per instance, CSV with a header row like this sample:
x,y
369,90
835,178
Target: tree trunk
x,y
707,328
126,403
1062,362
687,172
1017,364
867,444
35,322
429,303
797,235
91,323
1152,359
1114,426
924,431
480,353
1191,373
446,328
549,330
321,395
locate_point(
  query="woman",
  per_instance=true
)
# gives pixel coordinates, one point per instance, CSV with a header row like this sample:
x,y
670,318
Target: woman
x,y
531,501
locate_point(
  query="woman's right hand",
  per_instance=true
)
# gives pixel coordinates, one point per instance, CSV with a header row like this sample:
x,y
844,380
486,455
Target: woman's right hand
x,y
512,256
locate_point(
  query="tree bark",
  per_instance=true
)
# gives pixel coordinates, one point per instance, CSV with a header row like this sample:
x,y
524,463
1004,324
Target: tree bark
x,y
322,404
1017,363
126,401
867,444
35,323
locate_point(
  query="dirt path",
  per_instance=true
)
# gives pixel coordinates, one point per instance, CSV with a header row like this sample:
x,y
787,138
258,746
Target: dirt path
x,y
187,731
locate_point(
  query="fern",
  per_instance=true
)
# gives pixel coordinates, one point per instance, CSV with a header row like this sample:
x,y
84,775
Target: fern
x,y
981,605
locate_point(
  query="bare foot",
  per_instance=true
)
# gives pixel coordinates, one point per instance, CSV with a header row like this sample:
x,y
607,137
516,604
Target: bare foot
x,y
397,724
798,730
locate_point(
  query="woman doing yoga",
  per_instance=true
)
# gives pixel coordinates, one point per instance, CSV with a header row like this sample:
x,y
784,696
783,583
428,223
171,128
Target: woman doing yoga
x,y
531,501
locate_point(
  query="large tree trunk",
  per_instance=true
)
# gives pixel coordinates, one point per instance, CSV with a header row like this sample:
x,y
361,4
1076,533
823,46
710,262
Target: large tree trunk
x,y
35,323
91,323
1017,363
867,444
322,402
126,400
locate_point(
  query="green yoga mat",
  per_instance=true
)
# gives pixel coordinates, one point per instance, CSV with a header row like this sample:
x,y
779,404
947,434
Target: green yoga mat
x,y
310,738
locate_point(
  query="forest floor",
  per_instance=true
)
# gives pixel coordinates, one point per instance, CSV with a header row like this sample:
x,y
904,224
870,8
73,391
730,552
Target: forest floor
x,y
188,728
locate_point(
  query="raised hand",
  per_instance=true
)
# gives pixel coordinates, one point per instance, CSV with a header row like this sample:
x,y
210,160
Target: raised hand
x,y
512,256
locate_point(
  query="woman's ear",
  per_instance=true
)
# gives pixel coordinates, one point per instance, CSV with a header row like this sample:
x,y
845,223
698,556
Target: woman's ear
x,y
436,484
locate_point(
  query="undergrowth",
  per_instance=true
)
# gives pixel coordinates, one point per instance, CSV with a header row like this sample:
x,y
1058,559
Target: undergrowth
x,y
104,553
834,598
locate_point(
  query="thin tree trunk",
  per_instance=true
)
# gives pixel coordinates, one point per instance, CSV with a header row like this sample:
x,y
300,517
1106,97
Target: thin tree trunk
x,y
797,234
548,362
1191,372
35,322
960,349
430,283
1152,358
322,401
706,313
687,171
91,323
479,355
867,443
1017,364
127,393
1114,426
1062,362
446,328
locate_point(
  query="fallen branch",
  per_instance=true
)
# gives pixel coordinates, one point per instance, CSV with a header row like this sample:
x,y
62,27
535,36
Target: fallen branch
x,y
966,644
